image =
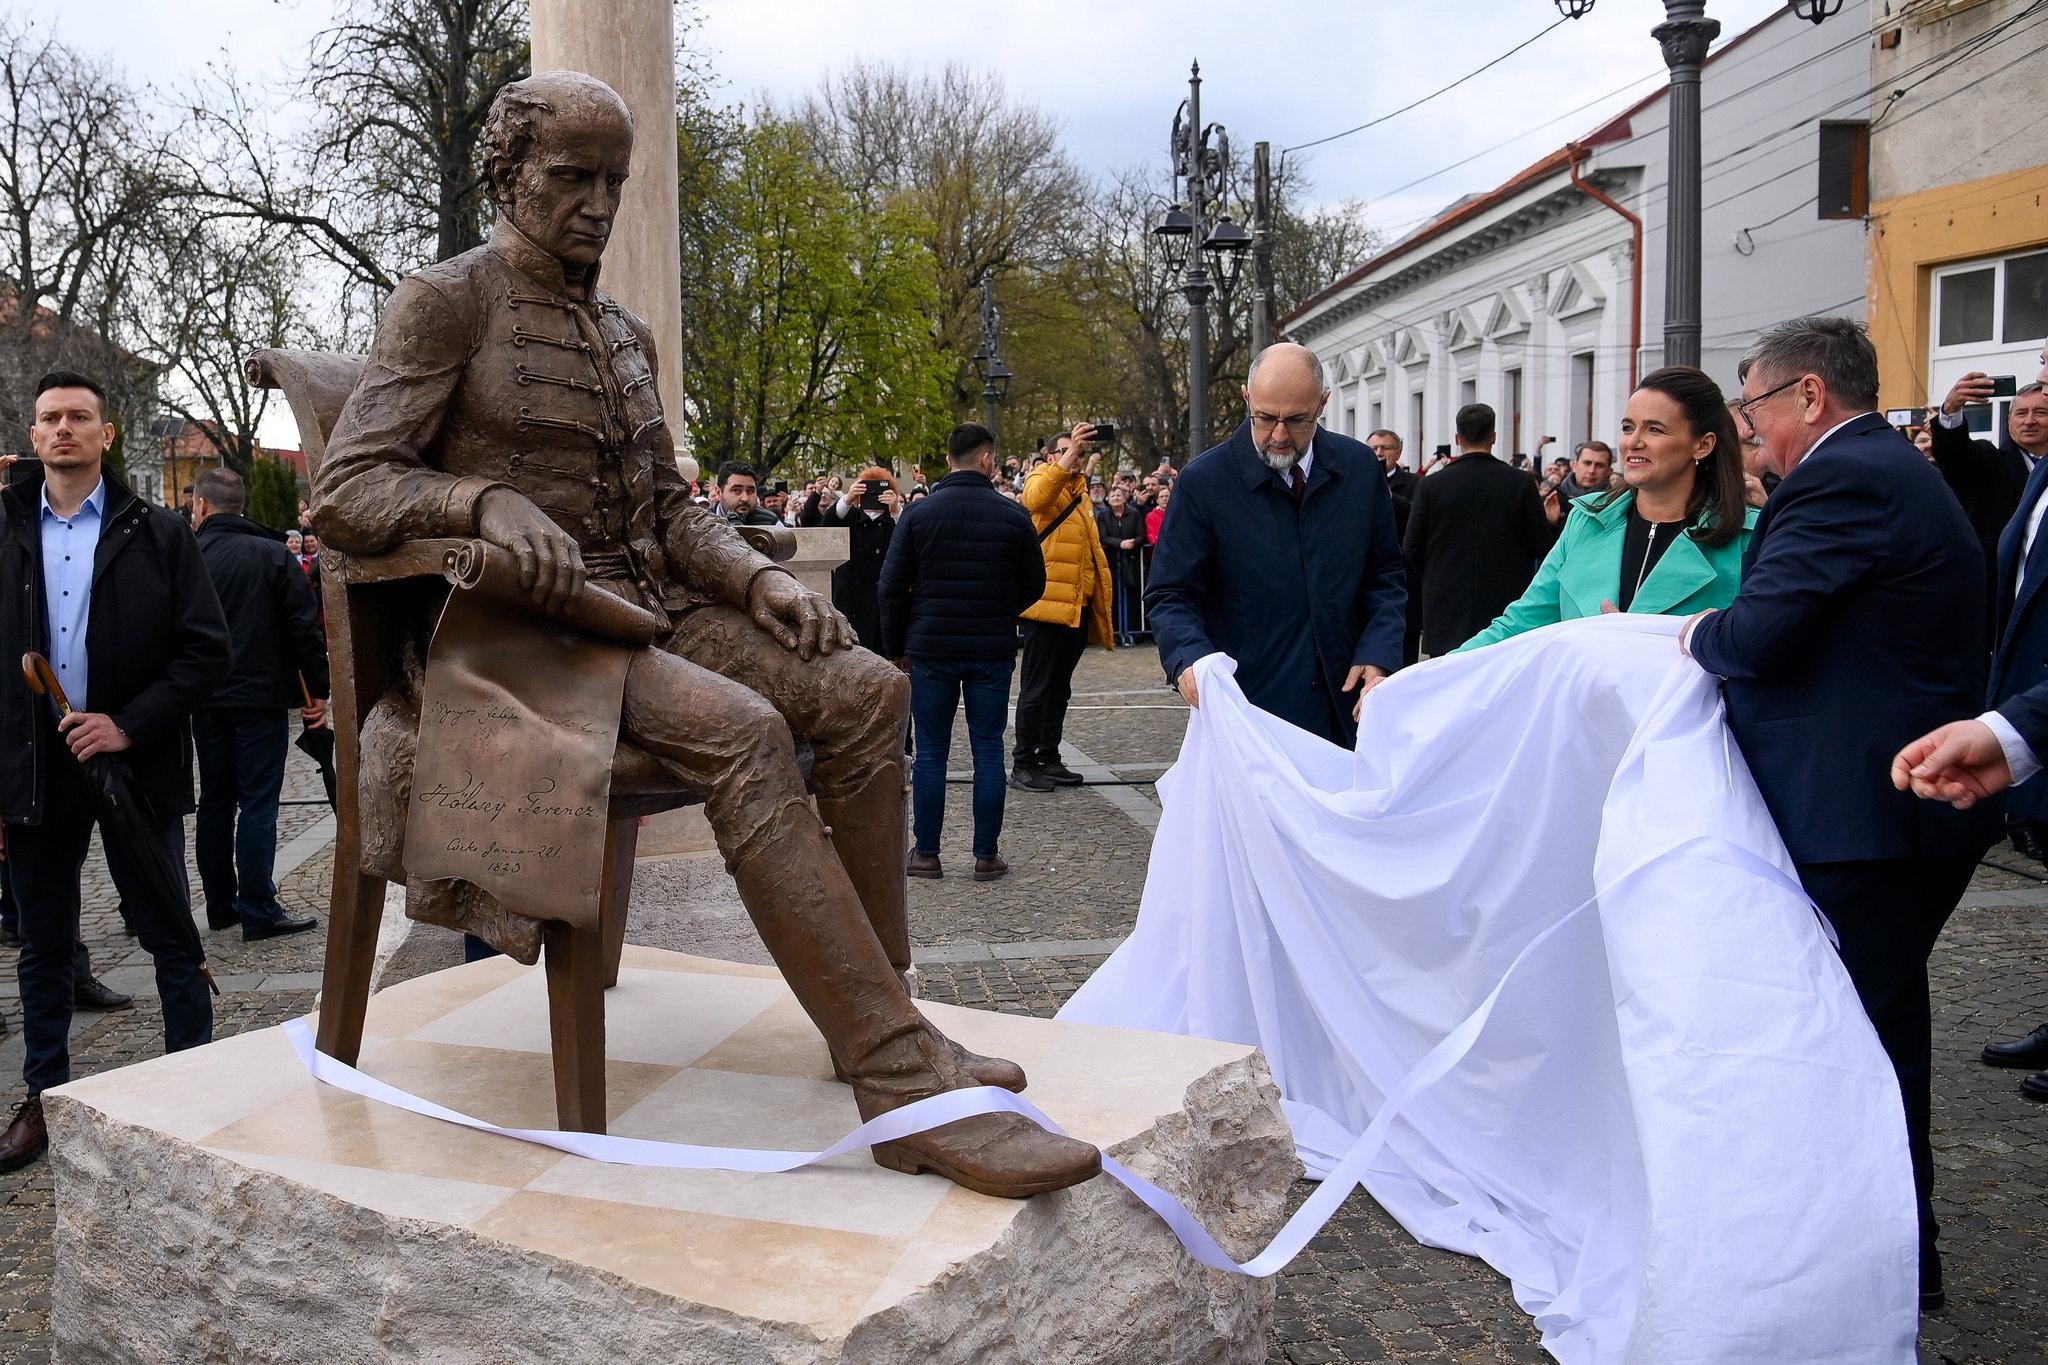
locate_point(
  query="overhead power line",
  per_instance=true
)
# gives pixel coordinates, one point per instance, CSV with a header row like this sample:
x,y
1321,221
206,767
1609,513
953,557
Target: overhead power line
x,y
1444,90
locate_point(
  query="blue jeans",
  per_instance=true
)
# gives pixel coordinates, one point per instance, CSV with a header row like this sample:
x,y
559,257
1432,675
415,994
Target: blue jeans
x,y
936,689
241,751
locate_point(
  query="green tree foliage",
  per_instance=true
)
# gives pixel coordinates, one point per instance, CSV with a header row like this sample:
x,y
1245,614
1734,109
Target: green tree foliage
x,y
273,493
807,322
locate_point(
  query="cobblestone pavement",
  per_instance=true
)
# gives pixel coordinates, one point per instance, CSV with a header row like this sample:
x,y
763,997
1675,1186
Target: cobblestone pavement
x,y
1364,1290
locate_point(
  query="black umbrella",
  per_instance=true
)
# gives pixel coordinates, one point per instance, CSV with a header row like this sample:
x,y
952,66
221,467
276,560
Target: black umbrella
x,y
317,743
130,833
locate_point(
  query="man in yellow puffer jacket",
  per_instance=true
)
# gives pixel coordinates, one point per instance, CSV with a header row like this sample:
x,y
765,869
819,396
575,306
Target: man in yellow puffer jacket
x,y
1074,610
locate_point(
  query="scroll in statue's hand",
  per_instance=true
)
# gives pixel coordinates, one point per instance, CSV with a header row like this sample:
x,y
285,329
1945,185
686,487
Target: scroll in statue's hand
x,y
799,618
550,565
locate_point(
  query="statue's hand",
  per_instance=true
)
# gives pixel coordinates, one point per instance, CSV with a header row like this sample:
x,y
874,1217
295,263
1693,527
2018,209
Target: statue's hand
x,y
550,565
796,616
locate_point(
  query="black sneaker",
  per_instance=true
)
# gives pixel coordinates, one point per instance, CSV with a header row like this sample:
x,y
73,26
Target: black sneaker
x,y
1030,780
1061,775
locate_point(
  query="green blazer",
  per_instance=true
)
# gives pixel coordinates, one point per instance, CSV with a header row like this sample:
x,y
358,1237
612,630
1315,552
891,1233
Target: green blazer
x,y
1584,569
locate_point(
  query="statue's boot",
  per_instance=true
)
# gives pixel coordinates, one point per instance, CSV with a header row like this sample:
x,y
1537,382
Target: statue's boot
x,y
871,834
804,907
1004,1155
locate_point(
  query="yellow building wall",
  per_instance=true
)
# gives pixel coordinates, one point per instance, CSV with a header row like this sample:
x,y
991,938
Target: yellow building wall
x,y
1912,234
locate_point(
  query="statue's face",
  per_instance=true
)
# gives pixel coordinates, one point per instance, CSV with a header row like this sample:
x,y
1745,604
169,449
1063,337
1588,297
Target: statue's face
x,y
566,192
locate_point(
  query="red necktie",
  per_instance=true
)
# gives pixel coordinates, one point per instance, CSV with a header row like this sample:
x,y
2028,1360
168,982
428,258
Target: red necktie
x,y
1297,481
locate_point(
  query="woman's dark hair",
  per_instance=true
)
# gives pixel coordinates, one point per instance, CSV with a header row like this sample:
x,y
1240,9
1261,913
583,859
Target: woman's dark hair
x,y
1718,507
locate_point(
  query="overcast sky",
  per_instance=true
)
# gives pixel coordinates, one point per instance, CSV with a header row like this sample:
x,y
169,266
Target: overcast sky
x,y
1112,71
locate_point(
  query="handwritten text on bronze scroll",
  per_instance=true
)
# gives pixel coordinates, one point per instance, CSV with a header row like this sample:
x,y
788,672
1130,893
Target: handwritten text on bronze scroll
x,y
519,720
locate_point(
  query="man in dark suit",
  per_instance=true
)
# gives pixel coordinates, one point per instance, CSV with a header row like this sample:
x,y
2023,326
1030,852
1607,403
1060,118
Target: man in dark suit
x,y
1282,554
1987,480
1967,760
112,590
1401,481
1857,627
1475,535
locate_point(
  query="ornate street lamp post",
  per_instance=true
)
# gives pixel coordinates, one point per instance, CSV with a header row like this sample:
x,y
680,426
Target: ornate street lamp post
x,y
995,375
1201,170
1685,35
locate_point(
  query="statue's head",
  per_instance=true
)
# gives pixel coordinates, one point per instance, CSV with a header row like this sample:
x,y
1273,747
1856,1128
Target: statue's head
x,y
556,152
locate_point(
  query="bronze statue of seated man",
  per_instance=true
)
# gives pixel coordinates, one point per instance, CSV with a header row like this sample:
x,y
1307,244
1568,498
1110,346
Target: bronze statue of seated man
x,y
508,398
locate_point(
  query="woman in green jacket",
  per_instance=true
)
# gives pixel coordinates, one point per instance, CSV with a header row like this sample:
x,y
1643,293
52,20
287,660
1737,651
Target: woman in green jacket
x,y
1671,542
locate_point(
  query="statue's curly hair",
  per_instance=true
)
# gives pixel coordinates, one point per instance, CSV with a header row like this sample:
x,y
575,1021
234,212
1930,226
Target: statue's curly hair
x,y
509,132
514,121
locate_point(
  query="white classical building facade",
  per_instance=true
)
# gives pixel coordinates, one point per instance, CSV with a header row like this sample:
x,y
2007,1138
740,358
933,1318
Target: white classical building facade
x,y
1529,297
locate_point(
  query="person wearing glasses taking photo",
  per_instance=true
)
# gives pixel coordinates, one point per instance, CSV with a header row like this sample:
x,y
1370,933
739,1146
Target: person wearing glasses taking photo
x,y
1280,552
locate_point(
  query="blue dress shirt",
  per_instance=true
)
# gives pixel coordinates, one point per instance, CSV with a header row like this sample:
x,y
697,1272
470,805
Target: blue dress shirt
x,y
67,587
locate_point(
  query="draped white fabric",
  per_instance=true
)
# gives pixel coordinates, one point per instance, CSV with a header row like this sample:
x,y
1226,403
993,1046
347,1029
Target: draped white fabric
x,y
1676,1133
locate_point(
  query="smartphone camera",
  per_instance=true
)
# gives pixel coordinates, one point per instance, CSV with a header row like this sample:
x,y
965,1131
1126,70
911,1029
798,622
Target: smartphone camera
x,y
2004,385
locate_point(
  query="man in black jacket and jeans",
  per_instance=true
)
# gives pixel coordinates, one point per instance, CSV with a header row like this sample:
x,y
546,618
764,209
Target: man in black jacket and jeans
x,y
242,735
113,592
963,565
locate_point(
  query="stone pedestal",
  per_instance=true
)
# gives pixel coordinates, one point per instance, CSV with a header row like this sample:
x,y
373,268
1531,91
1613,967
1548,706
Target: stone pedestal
x,y
819,550
220,1205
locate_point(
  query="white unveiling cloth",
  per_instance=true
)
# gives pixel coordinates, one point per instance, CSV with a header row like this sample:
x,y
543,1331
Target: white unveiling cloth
x,y
1676,1133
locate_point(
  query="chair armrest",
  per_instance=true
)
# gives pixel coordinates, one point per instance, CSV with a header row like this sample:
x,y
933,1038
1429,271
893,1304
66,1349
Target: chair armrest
x,y
414,559
775,543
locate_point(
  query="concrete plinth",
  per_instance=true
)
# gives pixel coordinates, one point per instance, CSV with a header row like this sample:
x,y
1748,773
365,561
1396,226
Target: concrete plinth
x,y
220,1205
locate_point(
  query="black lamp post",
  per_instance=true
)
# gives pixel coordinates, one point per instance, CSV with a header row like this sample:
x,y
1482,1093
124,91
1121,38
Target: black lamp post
x,y
1685,35
995,375
1187,235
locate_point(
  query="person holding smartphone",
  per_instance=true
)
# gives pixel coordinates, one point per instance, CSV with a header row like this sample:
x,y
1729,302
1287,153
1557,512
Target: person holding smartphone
x,y
868,510
1987,477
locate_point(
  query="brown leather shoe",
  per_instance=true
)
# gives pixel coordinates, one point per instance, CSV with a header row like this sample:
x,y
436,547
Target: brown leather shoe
x,y
925,865
1003,1155
26,1138
988,869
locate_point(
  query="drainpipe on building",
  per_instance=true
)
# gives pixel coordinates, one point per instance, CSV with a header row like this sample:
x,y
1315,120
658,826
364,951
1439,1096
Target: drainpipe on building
x,y
1635,292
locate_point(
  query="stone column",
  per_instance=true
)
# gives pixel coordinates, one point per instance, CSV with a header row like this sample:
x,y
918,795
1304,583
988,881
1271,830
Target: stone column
x,y
630,46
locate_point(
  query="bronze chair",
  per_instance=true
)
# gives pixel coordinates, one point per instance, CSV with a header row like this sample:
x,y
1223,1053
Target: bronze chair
x,y
580,964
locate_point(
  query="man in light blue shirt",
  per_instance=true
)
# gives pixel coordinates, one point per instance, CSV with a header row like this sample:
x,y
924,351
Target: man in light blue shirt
x,y
68,545
133,628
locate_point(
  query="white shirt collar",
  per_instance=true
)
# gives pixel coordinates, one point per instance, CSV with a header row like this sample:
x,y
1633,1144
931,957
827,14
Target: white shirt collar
x,y
1830,432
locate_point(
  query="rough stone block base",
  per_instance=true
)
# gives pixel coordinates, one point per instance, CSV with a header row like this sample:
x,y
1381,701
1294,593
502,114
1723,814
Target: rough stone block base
x,y
220,1205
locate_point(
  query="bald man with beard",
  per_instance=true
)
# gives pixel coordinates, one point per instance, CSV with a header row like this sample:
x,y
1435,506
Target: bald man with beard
x,y
1279,550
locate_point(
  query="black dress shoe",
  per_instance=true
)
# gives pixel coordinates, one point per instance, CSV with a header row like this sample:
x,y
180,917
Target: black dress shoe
x,y
1030,780
277,928
95,994
2035,1087
2029,1053
1061,775
26,1138
1933,1294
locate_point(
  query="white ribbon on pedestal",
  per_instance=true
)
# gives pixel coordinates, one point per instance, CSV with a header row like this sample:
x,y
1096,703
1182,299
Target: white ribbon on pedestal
x,y
952,1105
